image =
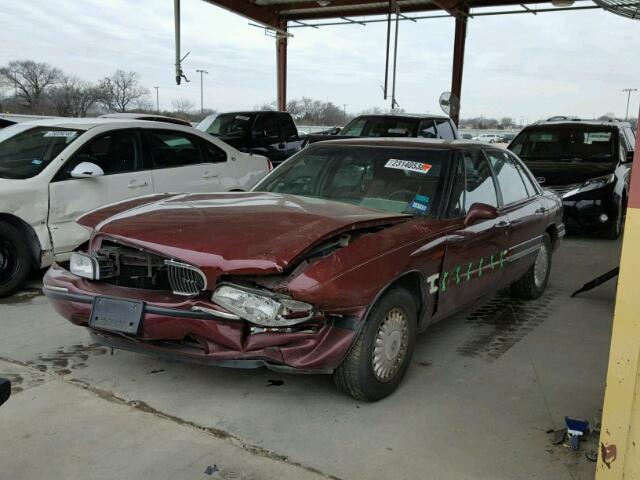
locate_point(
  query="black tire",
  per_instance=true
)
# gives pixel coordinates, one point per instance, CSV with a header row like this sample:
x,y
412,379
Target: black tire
x,y
356,375
529,286
15,259
614,229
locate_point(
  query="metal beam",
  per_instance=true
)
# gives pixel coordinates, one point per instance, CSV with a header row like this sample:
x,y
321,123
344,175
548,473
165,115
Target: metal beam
x,y
281,60
458,58
248,9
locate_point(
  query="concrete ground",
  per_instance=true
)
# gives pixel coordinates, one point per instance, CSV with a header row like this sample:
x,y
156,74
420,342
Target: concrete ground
x,y
483,390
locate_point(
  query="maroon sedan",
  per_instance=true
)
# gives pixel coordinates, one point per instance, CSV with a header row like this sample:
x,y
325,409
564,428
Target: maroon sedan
x,y
332,264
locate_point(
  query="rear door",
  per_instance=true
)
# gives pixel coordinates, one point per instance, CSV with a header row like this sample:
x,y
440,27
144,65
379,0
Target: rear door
x,y
119,154
524,210
475,254
181,164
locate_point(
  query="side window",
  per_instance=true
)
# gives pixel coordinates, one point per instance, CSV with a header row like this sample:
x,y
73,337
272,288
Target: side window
x,y
509,179
427,129
171,149
214,153
289,130
444,129
631,138
473,183
266,126
114,152
527,178
354,128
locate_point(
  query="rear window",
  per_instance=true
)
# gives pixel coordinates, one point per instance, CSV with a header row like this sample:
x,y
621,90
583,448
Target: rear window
x,y
381,127
568,143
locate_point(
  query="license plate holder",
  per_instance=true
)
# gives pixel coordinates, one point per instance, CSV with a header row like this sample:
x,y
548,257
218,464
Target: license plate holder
x,y
117,315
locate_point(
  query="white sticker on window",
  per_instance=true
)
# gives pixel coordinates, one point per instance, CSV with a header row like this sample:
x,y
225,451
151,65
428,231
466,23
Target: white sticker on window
x,y
242,117
60,133
592,137
408,165
398,131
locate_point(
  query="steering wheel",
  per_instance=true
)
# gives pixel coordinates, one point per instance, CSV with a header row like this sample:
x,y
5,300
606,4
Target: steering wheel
x,y
403,194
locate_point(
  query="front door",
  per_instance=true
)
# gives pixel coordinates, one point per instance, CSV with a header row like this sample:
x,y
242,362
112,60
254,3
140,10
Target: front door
x,y
475,254
119,155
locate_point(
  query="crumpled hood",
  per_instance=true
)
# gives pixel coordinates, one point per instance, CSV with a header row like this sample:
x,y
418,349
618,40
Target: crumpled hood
x,y
239,233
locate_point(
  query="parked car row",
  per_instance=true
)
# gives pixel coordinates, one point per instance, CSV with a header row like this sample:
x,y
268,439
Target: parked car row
x,y
186,243
331,264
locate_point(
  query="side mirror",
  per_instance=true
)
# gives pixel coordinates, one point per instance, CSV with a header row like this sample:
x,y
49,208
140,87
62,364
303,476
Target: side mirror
x,y
5,390
480,211
87,170
629,158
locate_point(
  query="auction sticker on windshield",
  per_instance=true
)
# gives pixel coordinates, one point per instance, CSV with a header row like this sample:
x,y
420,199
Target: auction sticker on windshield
x,y
408,165
60,133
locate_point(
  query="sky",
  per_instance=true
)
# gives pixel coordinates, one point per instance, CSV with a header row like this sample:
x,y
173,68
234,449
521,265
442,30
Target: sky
x,y
529,66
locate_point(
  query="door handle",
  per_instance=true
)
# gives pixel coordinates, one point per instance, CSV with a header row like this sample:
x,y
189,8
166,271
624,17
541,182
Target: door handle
x,y
503,224
209,175
136,184
542,210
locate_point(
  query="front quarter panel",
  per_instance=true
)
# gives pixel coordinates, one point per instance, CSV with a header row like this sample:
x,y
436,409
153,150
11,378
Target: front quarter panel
x,y
355,275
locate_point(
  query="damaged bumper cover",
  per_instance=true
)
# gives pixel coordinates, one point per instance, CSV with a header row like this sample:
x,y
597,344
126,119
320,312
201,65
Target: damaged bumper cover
x,y
197,330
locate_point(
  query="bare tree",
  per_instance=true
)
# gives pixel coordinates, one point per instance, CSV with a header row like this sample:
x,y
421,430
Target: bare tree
x,y
182,106
73,97
122,91
30,79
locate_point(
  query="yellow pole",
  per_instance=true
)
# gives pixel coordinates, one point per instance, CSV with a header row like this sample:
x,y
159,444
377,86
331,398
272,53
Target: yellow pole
x,y
619,448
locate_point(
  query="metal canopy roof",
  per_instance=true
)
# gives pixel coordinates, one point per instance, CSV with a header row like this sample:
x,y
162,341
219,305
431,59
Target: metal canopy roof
x,y
276,13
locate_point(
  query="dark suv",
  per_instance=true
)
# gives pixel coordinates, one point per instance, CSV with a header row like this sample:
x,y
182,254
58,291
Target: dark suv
x,y
404,125
272,134
587,163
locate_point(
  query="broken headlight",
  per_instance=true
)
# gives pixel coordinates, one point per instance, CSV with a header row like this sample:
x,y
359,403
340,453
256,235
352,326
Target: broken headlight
x,y
91,267
592,184
84,266
262,308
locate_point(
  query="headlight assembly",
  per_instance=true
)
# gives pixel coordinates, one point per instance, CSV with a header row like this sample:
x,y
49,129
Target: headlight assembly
x,y
593,184
262,308
84,266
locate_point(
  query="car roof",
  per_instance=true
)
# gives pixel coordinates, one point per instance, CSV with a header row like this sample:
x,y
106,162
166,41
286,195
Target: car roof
x,y
145,116
578,121
88,123
403,115
405,142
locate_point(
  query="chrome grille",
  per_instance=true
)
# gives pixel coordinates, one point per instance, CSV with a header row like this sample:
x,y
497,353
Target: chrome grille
x,y
185,279
562,190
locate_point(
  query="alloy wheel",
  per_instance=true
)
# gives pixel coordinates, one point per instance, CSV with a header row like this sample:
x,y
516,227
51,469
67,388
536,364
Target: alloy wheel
x,y
541,266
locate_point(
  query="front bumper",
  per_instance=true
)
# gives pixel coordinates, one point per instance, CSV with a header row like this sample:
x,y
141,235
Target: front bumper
x,y
585,214
172,329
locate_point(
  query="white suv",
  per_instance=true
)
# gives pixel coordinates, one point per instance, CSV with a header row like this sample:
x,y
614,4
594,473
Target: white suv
x,y
52,171
487,137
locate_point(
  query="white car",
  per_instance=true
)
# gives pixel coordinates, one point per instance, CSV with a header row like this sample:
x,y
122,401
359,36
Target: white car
x,y
52,171
487,137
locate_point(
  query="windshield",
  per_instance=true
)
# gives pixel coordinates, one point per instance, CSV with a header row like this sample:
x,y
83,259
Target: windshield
x,y
26,150
571,143
381,127
230,125
396,180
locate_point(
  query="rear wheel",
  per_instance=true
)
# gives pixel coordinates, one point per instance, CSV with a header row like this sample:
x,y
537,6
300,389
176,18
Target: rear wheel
x,y
15,259
534,281
381,355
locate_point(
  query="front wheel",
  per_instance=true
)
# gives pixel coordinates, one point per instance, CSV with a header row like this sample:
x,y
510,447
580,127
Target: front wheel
x,y
534,281
378,360
15,259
